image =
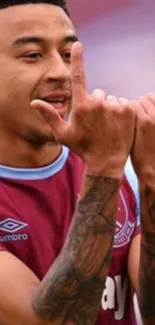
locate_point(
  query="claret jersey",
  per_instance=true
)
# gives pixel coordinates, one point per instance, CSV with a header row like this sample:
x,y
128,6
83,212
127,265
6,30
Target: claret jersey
x,y
36,209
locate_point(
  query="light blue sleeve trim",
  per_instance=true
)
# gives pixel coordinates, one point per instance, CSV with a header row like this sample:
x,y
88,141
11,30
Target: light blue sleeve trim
x,y
35,173
133,181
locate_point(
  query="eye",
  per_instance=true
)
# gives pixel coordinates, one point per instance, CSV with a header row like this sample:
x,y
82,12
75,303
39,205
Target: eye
x,y
67,56
33,56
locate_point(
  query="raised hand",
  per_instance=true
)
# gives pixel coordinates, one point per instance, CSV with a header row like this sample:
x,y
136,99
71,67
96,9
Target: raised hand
x,y
143,158
101,132
101,129
143,154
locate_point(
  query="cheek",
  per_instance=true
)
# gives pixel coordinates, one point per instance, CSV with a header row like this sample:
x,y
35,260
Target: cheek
x,y
19,80
24,83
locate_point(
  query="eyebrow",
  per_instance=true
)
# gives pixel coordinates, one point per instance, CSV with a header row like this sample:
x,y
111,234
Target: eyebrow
x,y
38,40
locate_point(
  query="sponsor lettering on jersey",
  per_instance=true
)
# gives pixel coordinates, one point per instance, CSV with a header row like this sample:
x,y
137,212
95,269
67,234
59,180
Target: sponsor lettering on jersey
x,y
114,296
13,237
10,226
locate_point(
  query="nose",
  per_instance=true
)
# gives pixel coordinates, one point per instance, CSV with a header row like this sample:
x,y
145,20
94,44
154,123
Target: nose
x,y
56,69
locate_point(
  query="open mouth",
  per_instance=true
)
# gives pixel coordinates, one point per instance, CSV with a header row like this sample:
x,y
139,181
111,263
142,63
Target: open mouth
x,y
60,105
55,102
58,100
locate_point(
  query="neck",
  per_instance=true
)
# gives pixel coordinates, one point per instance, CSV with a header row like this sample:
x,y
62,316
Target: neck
x,y
18,153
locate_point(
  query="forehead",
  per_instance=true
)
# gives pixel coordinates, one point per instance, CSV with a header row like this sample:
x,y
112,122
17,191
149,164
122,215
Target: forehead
x,y
43,19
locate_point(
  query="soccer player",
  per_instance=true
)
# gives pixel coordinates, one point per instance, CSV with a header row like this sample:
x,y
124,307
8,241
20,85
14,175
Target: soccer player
x,y
58,201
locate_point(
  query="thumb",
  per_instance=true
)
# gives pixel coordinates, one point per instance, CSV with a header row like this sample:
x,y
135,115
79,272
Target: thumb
x,y
52,117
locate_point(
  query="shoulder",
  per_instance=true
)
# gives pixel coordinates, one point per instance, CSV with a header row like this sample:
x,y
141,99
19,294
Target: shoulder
x,y
75,163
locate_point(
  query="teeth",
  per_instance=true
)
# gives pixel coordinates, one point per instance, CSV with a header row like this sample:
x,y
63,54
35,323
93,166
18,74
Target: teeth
x,y
55,101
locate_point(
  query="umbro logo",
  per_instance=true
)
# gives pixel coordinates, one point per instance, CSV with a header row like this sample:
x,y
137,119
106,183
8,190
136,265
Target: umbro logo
x,y
10,225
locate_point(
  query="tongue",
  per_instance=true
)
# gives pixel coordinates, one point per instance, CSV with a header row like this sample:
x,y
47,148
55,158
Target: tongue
x,y
57,105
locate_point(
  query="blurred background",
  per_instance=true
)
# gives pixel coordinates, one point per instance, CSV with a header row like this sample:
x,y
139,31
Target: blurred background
x,y
119,43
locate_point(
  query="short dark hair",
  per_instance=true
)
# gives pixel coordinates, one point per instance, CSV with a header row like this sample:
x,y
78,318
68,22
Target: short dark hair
x,y
9,3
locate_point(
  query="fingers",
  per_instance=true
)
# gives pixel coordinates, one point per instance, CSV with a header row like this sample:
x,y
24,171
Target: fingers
x,y
145,107
128,105
115,103
52,117
99,93
120,104
110,101
98,98
151,96
105,99
78,75
148,103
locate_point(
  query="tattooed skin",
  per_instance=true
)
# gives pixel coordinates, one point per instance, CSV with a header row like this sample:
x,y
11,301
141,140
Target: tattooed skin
x,y
72,289
147,261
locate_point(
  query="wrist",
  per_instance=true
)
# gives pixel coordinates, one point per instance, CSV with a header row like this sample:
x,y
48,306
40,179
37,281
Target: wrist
x,y
105,170
146,176
100,181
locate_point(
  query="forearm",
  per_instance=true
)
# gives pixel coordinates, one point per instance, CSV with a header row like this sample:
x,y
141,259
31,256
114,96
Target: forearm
x,y
74,284
146,292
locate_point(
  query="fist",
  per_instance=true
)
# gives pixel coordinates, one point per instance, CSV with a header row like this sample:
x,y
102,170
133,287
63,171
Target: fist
x,y
103,129
143,153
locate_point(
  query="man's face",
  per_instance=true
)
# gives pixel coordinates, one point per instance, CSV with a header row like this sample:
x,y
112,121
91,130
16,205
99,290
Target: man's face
x,y
35,47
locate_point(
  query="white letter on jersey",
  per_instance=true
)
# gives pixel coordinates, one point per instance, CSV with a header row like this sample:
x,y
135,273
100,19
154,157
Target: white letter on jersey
x,y
121,296
108,297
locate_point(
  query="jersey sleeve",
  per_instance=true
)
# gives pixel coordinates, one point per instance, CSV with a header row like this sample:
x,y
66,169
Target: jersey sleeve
x,y
133,181
2,248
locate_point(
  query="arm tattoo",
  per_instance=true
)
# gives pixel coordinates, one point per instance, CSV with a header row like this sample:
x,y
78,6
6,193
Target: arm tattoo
x,y
147,260
72,288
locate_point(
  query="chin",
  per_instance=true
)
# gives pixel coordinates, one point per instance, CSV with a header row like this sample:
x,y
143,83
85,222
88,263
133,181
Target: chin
x,y
37,138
